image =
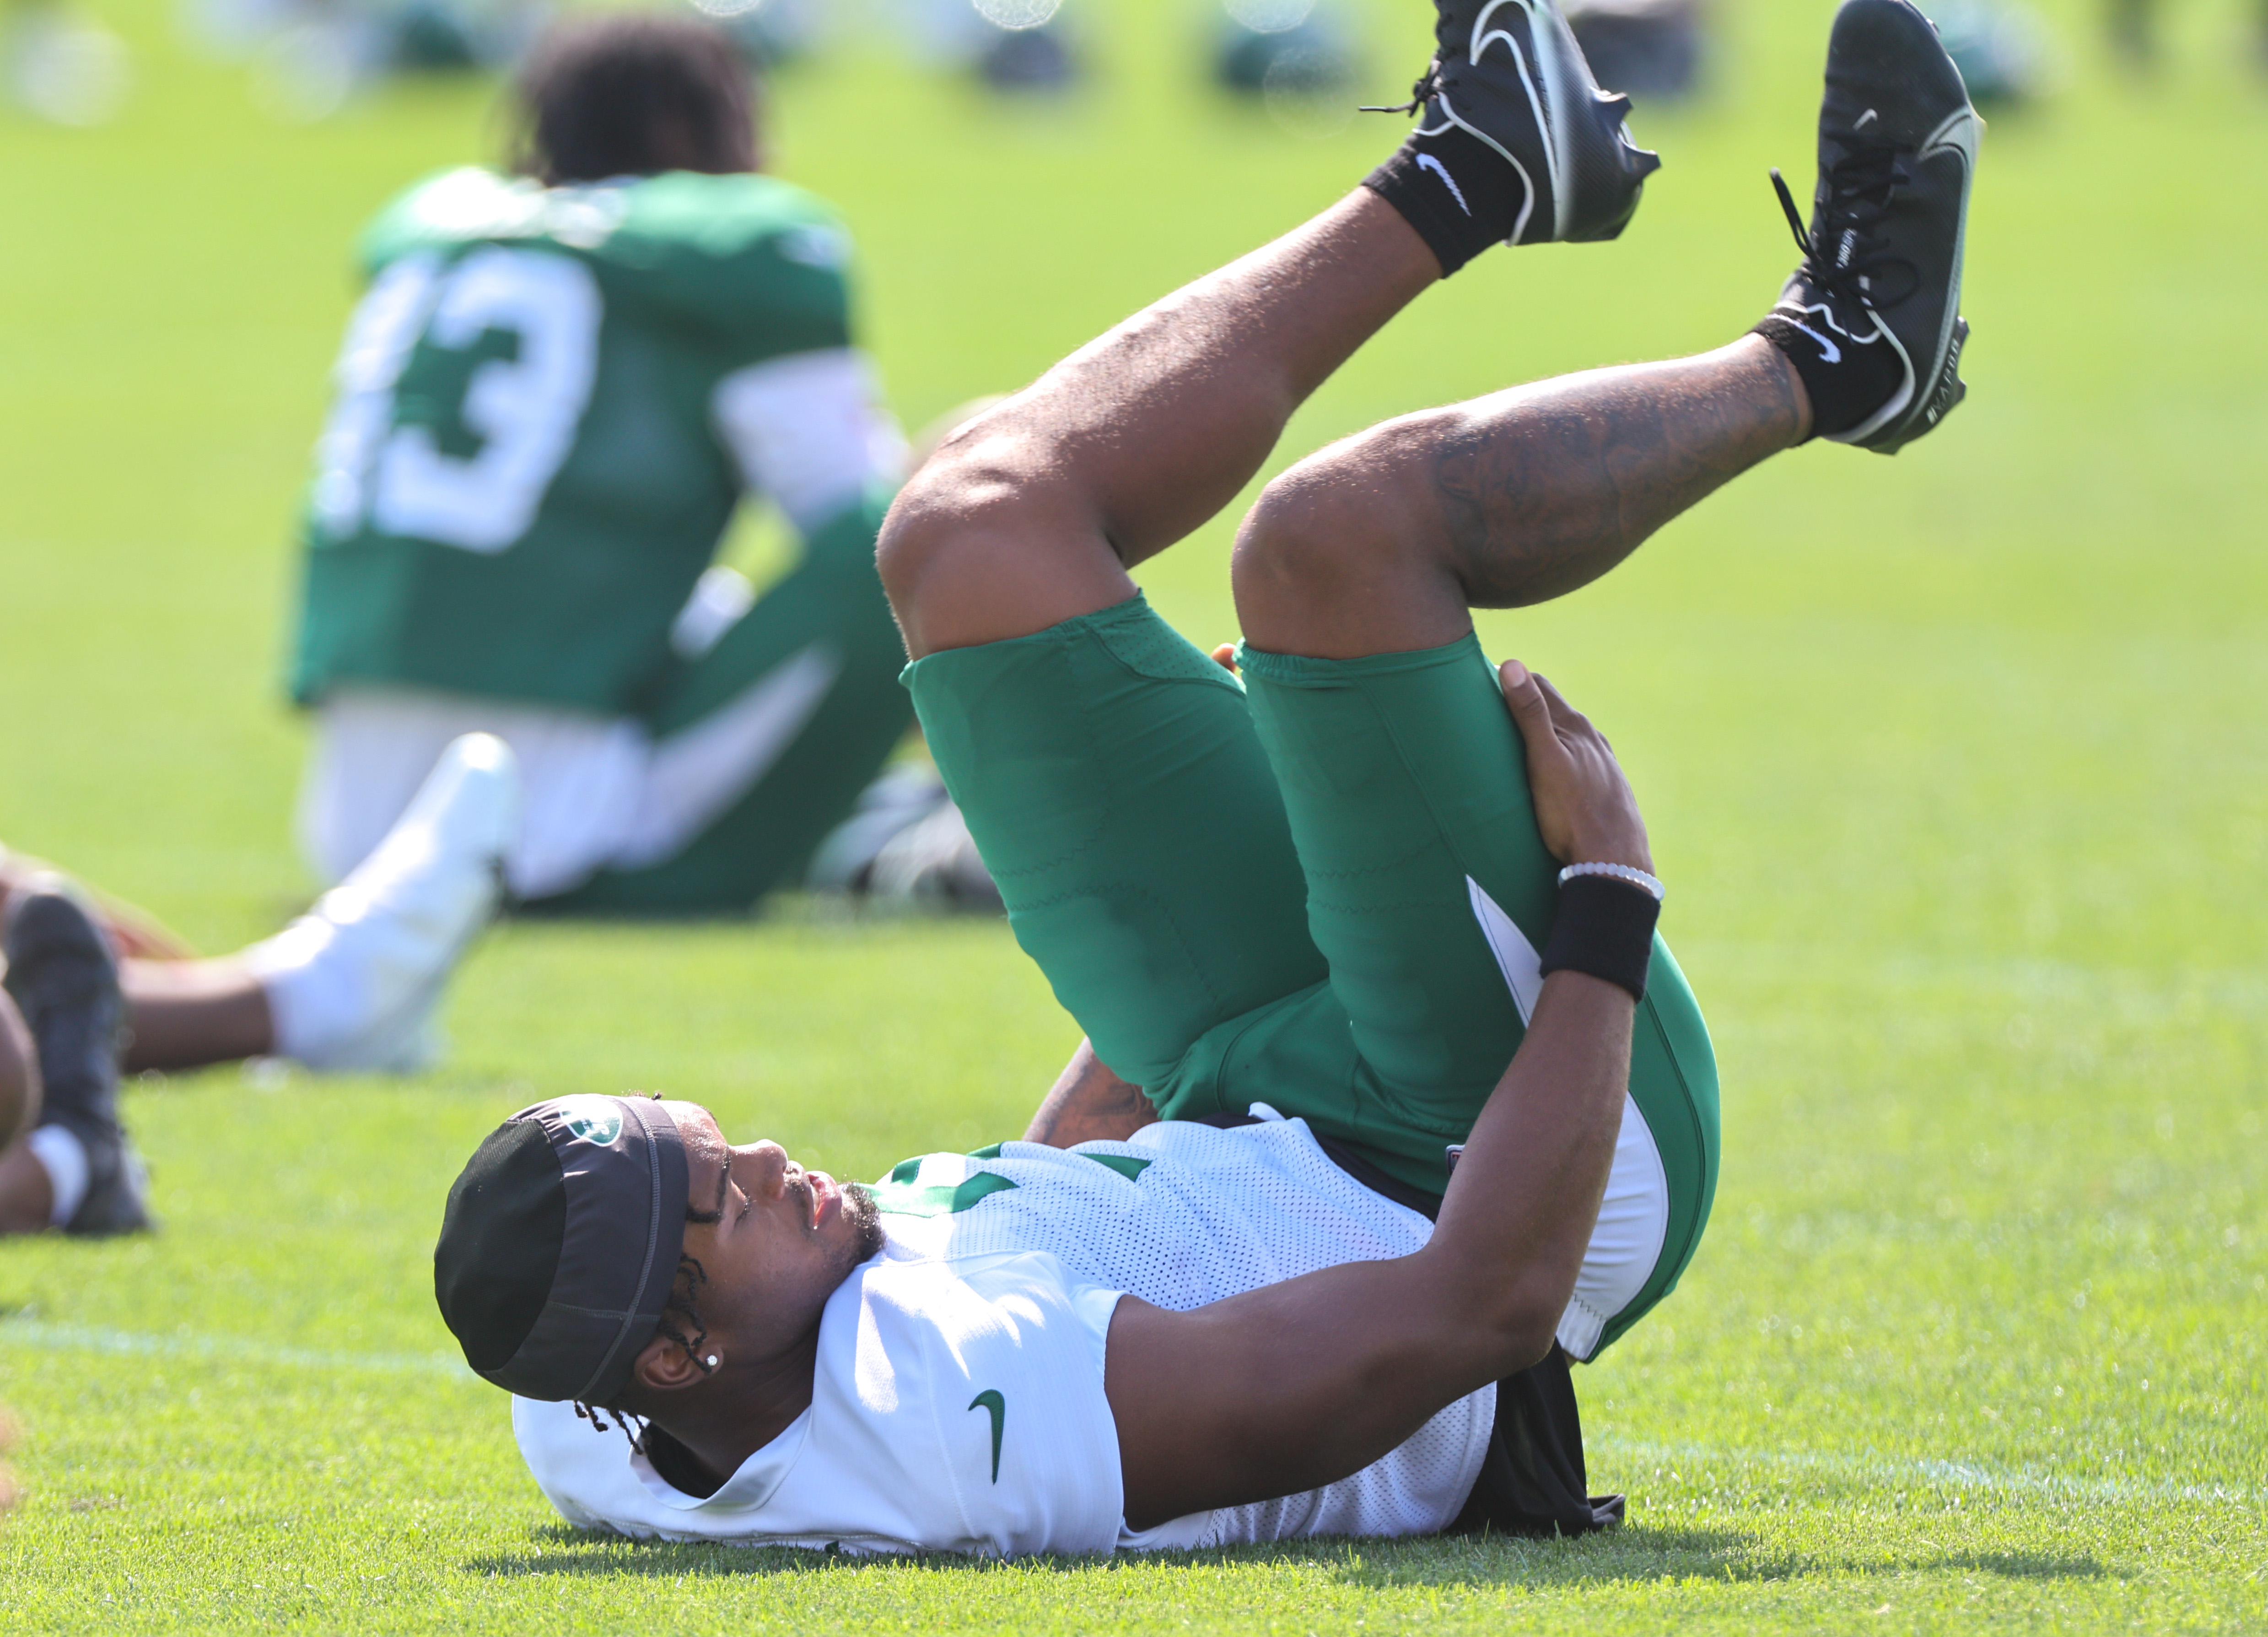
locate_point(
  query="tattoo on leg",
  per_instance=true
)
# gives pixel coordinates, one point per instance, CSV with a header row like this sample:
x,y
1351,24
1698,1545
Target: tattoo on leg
x,y
1545,489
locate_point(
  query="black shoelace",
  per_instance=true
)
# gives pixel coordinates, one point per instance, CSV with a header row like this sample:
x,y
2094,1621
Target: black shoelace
x,y
1427,82
1846,255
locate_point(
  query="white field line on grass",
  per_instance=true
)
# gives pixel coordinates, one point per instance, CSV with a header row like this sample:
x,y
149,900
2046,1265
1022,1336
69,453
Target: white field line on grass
x,y
183,1344
2126,993
1879,1471
1892,1471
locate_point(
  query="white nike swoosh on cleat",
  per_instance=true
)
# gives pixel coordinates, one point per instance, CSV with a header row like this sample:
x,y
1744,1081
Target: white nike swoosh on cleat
x,y
1557,153
1834,353
1427,162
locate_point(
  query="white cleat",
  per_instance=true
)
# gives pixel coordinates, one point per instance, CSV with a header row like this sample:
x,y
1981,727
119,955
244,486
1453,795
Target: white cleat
x,y
355,983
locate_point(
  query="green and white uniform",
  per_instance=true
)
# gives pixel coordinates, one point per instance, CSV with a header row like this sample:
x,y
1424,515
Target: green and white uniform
x,y
548,405
1317,886
957,1397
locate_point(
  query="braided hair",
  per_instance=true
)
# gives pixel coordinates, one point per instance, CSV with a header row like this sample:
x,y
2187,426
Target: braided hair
x,y
679,1315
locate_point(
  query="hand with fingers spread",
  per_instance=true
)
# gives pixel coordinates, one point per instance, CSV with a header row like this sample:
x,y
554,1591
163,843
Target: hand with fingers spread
x,y
1584,806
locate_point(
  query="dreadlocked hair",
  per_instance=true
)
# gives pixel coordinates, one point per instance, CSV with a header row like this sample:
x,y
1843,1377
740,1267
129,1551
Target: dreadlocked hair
x,y
690,1276
633,94
597,1414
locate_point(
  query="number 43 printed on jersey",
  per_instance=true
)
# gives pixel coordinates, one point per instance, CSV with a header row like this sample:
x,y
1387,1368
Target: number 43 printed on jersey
x,y
524,409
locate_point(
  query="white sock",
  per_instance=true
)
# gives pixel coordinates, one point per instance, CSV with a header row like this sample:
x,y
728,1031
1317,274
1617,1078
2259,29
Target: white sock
x,y
311,1002
64,1157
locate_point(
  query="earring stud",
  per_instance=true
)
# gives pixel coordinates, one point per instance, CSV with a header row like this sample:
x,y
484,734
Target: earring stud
x,y
713,1360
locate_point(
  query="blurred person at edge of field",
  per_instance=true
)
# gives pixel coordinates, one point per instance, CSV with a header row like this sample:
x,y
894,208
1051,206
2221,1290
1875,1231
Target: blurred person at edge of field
x,y
562,383
90,987
2136,27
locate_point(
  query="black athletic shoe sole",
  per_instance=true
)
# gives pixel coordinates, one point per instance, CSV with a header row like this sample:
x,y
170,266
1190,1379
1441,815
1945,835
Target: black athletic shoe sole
x,y
64,981
1509,73
117,1195
1894,98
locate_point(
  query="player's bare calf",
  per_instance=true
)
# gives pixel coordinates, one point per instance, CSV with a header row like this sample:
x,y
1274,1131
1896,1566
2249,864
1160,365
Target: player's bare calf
x,y
1032,513
1382,542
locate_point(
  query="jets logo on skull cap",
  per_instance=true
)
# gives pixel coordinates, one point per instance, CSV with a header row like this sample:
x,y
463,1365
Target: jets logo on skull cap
x,y
594,1120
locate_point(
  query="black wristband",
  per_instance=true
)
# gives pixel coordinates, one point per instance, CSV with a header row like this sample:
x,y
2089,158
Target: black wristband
x,y
1603,927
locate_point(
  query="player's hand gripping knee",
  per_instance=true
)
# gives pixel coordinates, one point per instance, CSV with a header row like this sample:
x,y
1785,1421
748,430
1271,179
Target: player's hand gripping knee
x,y
1584,806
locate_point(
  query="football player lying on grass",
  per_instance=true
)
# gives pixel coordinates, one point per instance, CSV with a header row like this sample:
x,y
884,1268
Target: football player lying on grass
x,y
1301,908
352,985
1002,1367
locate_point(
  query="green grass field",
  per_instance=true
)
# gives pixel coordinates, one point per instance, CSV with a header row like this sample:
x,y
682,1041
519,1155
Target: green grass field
x,y
1957,766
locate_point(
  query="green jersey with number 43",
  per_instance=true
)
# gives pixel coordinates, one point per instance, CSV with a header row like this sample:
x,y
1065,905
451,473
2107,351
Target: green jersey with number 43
x,y
549,403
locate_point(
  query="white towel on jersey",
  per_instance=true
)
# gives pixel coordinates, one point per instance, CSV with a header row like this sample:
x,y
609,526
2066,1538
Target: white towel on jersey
x,y
985,1317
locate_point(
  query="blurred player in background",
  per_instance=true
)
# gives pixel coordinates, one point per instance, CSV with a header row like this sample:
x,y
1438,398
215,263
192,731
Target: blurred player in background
x,y
558,390
88,987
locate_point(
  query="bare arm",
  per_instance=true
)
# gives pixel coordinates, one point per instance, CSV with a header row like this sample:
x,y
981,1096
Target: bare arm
x,y
1303,1382
1088,1103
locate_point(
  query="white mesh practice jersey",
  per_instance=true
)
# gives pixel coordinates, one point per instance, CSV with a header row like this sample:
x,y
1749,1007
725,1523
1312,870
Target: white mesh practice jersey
x,y
959,1399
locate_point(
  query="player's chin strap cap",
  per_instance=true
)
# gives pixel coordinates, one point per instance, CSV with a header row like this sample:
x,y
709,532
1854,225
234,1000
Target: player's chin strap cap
x,y
560,1243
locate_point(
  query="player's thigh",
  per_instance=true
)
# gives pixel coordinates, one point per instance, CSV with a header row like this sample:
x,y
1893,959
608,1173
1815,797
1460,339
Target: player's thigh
x,y
1664,1177
581,777
1109,775
764,743
1430,891
372,748
723,851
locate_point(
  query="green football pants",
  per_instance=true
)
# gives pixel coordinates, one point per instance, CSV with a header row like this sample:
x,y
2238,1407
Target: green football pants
x,y
1321,888
832,604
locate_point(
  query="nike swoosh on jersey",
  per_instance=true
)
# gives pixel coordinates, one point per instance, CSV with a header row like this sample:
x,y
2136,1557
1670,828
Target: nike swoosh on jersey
x,y
993,1404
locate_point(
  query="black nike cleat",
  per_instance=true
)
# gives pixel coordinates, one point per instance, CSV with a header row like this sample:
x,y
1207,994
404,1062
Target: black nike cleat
x,y
1508,74
117,1195
64,981
1882,264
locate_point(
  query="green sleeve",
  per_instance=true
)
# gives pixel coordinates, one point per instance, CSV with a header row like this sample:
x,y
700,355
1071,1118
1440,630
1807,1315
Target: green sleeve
x,y
436,211
759,264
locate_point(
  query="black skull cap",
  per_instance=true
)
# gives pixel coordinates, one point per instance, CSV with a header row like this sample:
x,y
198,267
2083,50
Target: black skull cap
x,y
560,1242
